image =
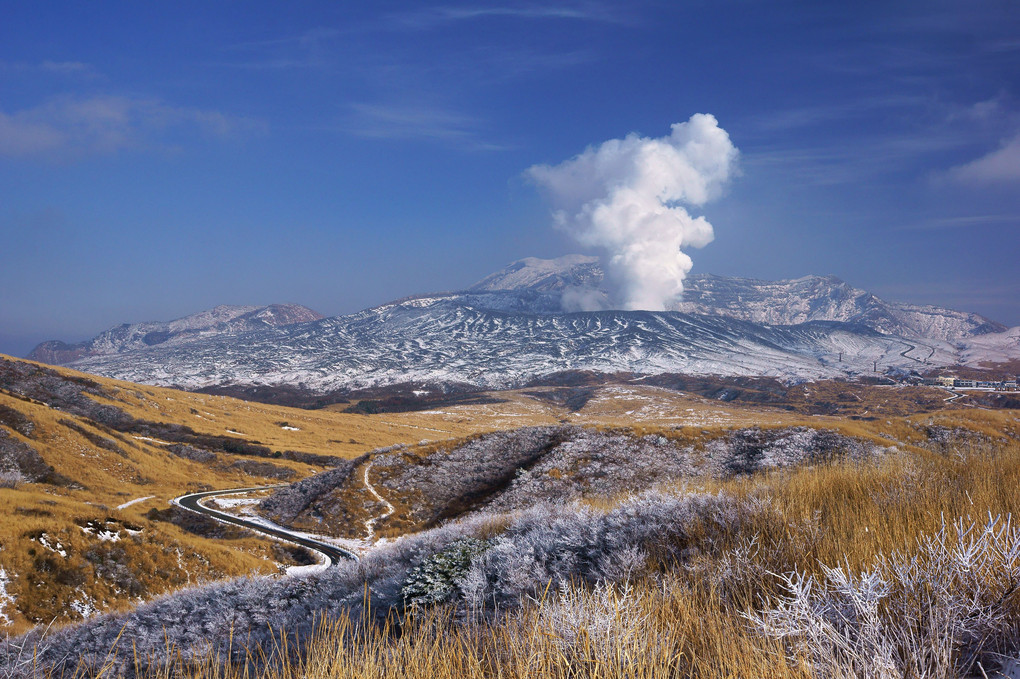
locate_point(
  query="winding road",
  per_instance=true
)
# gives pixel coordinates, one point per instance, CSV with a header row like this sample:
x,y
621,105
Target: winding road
x,y
192,502
911,347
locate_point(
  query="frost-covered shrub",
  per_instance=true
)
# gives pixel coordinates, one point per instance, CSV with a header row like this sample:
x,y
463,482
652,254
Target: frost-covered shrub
x,y
10,479
579,545
287,503
933,614
266,470
745,451
448,482
595,625
435,580
191,452
20,460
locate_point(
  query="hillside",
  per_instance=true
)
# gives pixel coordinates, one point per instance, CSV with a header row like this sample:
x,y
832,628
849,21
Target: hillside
x,y
511,470
88,462
88,466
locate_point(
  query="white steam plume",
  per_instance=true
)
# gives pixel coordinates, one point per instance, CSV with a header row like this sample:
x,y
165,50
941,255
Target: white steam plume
x,y
625,196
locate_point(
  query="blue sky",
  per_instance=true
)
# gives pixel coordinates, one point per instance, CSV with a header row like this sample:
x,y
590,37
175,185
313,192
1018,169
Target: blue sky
x,y
157,159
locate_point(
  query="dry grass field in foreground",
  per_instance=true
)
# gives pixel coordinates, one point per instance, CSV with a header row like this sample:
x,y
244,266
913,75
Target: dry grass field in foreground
x,y
908,566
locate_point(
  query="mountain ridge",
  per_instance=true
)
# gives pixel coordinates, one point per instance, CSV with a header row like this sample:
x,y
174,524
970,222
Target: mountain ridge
x,y
491,337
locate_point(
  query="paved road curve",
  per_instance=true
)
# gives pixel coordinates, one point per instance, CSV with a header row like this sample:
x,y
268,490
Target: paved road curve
x,y
191,502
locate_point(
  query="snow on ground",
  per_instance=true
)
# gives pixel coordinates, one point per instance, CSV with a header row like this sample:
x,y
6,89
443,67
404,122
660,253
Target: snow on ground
x,y
44,540
357,546
105,534
292,571
6,598
84,606
135,501
290,428
152,440
223,501
390,509
101,531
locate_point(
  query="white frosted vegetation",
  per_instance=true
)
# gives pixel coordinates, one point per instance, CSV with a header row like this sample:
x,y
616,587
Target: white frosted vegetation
x,y
6,599
934,613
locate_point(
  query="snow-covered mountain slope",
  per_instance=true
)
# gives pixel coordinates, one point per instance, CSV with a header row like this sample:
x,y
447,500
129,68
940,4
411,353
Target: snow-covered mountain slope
x,y
787,302
511,328
825,298
220,320
443,340
544,275
997,347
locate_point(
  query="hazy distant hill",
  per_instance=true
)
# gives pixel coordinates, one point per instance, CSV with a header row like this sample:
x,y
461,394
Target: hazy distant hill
x,y
220,320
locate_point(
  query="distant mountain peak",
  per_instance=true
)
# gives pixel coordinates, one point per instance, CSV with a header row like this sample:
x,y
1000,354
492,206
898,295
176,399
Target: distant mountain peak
x,y
544,275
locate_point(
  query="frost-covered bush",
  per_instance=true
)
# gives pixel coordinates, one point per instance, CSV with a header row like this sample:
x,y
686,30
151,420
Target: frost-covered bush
x,y
19,460
191,452
582,545
745,451
934,614
595,625
10,479
435,580
448,482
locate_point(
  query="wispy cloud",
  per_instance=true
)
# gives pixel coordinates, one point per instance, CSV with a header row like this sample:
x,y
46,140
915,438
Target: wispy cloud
x,y
72,127
416,122
309,49
964,222
64,68
807,116
1001,166
881,135
435,17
